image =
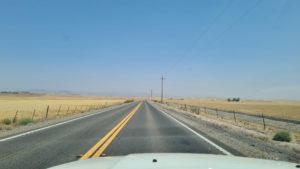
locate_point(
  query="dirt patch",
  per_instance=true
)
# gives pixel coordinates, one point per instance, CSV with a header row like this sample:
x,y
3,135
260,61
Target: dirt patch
x,y
10,130
288,110
267,125
248,142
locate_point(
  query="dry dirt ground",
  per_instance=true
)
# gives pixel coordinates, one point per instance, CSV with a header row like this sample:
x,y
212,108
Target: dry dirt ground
x,y
36,108
247,142
263,124
279,109
13,130
33,104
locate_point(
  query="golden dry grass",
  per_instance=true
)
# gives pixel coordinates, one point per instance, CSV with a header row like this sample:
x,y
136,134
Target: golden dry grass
x,y
58,105
279,109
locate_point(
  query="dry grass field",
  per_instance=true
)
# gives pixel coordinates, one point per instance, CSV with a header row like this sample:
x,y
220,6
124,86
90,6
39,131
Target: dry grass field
x,y
29,105
279,109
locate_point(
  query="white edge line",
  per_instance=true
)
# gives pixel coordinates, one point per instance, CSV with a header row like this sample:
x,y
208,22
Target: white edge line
x,y
57,124
196,133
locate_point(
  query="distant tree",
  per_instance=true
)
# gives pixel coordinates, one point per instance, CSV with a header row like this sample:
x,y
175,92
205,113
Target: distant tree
x,y
234,99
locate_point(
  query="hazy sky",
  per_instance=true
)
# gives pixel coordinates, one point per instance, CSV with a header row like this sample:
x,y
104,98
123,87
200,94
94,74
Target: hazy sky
x,y
214,48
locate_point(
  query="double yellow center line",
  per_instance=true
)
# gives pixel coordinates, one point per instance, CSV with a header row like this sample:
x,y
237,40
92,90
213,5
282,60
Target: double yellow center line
x,y
100,146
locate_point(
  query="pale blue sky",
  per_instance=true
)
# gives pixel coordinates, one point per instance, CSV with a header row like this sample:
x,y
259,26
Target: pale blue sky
x,y
214,48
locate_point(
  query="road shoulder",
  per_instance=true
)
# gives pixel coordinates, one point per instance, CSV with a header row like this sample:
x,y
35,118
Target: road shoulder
x,y
237,140
19,130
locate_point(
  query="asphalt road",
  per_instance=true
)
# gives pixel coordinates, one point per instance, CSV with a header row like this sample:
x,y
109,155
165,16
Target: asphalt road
x,y
148,130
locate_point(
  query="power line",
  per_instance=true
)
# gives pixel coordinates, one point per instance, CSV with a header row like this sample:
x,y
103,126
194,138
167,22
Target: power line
x,y
238,20
247,11
215,19
162,89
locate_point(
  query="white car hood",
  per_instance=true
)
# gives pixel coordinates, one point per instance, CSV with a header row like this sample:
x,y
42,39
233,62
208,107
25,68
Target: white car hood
x,y
176,161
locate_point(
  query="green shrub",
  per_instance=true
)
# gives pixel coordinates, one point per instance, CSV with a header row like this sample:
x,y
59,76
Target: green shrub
x,y
129,101
282,136
25,121
6,121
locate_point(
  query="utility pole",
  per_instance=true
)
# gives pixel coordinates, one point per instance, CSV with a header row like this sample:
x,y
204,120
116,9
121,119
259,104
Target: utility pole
x,y
162,89
151,95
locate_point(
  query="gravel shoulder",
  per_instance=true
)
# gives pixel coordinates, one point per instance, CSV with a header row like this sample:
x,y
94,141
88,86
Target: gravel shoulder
x,y
247,142
7,131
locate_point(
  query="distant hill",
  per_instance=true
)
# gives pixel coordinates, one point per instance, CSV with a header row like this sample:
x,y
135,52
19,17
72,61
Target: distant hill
x,y
38,93
17,93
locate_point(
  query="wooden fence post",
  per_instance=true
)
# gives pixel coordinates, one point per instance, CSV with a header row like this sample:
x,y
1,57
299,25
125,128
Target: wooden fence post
x,y
82,108
262,115
234,116
33,114
58,110
47,111
75,109
15,118
68,109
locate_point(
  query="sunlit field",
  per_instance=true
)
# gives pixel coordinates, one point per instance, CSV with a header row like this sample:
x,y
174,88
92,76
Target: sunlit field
x,y
35,106
279,109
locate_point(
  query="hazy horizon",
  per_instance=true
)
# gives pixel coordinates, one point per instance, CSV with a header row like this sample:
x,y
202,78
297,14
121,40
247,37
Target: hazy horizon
x,y
219,48
142,95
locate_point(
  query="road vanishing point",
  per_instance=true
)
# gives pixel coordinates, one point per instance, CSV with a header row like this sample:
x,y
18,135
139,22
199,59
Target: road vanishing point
x,y
138,127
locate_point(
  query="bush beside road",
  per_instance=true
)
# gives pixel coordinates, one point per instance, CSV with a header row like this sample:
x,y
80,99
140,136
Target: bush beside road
x,y
248,142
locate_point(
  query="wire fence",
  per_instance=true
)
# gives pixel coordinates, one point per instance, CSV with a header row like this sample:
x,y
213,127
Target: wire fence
x,y
50,112
259,122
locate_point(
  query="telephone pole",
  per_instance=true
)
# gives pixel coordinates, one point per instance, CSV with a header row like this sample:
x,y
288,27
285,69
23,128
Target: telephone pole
x,y
162,89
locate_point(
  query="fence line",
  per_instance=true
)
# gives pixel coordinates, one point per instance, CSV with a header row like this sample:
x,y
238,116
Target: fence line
x,y
53,112
240,118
